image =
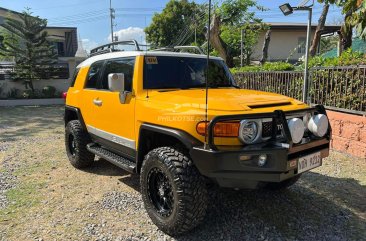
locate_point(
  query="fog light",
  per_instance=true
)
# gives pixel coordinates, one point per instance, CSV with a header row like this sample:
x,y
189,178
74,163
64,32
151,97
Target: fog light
x,y
318,125
262,160
297,129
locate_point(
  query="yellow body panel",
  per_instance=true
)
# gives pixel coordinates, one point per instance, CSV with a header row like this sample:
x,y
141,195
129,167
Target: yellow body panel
x,y
180,109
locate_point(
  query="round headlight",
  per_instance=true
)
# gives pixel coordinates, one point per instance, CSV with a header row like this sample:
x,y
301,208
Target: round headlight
x,y
318,125
248,132
297,129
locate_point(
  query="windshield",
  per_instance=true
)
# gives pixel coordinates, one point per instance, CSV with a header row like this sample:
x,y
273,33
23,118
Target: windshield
x,y
165,72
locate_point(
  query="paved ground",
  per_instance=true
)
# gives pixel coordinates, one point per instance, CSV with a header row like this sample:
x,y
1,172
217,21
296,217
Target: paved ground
x,y
43,198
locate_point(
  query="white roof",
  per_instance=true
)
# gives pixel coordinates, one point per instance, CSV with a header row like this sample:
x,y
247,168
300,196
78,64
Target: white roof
x,y
121,54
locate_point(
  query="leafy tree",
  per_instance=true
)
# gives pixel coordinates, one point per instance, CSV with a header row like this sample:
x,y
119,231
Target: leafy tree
x,y
319,28
355,17
166,27
32,53
227,22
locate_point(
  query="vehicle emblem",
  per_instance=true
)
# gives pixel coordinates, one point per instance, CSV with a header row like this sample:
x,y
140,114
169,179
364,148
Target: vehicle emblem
x,y
279,127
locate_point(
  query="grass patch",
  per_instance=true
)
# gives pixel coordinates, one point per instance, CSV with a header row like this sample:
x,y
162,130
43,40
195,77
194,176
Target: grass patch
x,y
21,198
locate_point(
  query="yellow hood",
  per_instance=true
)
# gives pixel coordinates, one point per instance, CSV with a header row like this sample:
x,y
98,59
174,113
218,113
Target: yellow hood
x,y
228,99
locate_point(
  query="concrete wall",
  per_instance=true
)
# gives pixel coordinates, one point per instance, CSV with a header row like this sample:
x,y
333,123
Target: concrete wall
x,y
349,133
61,85
282,44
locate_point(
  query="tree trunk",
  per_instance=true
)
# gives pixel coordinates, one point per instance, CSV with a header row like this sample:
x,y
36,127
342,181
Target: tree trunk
x,y
346,33
267,39
217,42
319,28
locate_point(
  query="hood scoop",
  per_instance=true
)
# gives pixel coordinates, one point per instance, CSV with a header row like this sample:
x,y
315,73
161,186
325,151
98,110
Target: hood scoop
x,y
269,105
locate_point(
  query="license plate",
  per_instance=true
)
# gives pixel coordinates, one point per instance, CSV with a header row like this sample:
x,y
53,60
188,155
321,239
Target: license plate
x,y
309,162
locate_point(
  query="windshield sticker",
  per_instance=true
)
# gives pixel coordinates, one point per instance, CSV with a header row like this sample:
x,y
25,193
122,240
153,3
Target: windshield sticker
x,y
151,60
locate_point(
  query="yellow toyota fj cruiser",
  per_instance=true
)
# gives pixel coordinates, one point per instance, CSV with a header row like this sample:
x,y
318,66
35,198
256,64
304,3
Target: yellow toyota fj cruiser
x,y
145,112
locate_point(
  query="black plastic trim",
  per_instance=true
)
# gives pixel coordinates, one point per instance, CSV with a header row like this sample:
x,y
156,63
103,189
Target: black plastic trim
x,y
116,148
188,140
78,114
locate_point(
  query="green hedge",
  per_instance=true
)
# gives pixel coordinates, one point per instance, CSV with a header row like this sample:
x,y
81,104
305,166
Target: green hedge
x,y
270,66
348,58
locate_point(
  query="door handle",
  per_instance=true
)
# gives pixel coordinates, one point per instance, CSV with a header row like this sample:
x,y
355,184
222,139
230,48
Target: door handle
x,y
97,102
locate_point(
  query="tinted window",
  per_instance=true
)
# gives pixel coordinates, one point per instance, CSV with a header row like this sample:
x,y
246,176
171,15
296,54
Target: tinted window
x,y
125,66
93,75
182,72
74,77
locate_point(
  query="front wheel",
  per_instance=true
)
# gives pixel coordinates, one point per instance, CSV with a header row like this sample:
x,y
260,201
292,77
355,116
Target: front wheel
x,y
76,140
173,191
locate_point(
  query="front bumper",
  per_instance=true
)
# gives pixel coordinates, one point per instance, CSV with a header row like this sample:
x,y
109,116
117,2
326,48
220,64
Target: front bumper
x,y
236,167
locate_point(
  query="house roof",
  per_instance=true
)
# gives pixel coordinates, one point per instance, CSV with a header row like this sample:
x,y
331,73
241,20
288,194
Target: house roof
x,y
301,26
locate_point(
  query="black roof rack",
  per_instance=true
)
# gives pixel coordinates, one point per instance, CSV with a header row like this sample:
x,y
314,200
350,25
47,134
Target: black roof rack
x,y
108,48
180,48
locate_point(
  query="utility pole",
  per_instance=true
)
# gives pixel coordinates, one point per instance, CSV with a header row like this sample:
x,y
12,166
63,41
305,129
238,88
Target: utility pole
x,y
287,10
305,97
113,16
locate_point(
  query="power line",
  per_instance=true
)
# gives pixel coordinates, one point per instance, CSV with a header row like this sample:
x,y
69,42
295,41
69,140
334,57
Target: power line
x,y
67,6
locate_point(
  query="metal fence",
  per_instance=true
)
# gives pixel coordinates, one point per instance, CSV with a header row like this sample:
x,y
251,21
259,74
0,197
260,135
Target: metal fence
x,y
338,87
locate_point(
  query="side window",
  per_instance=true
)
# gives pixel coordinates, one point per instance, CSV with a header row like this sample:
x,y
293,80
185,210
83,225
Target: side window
x,y
74,77
94,75
125,66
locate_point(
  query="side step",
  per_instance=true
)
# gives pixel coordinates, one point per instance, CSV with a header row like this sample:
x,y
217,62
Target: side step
x,y
111,157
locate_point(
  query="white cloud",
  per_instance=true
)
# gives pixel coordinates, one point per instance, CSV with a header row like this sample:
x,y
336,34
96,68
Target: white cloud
x,y
89,44
130,33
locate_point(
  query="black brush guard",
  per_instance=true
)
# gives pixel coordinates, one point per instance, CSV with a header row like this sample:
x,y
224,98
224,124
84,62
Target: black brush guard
x,y
223,163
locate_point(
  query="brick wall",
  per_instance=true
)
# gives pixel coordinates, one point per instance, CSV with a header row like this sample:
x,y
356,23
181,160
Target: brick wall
x,y
349,133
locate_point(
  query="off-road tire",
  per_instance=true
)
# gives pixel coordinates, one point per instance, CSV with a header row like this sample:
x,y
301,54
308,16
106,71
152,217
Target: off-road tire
x,y
278,186
188,189
79,157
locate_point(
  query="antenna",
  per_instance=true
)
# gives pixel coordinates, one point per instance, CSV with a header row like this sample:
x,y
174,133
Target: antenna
x,y
207,70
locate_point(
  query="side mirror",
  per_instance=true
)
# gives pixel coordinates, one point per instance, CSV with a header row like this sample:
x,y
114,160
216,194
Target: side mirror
x,y
116,82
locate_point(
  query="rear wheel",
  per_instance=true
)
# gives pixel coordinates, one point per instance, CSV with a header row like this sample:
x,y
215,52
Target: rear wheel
x,y
282,185
76,140
173,191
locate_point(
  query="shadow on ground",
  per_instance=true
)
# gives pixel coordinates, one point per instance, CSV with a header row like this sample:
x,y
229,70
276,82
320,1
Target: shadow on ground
x,y
20,123
317,208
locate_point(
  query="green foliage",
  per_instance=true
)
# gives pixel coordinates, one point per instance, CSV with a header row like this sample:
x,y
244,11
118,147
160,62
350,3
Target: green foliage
x,y
167,26
236,16
49,91
13,93
357,18
269,66
1,89
347,58
29,94
328,43
29,47
236,12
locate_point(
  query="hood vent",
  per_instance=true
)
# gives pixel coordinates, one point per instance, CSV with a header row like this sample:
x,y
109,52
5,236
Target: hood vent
x,y
269,105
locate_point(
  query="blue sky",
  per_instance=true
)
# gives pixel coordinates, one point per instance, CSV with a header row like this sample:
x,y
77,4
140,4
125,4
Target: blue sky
x,y
91,16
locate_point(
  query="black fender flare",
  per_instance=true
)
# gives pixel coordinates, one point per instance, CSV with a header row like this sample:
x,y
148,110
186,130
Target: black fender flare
x,y
185,138
75,110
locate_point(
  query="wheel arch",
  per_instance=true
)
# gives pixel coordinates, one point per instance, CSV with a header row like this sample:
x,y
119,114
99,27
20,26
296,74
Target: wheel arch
x,y
73,113
150,137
